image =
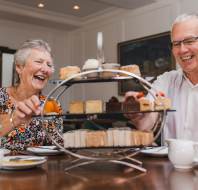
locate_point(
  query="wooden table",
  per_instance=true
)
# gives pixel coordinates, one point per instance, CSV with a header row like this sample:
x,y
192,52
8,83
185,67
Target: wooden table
x,y
160,175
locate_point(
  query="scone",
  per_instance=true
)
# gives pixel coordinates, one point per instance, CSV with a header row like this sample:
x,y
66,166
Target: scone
x,y
132,69
66,72
76,107
162,103
93,106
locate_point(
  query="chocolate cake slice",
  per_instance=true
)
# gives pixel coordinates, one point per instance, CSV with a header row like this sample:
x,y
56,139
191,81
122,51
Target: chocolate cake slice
x,y
130,105
113,105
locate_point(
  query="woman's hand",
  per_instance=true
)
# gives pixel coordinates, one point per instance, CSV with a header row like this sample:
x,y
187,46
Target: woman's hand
x,y
24,111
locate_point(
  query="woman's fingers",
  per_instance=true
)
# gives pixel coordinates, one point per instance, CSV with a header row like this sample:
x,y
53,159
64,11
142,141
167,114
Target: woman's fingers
x,y
29,107
25,109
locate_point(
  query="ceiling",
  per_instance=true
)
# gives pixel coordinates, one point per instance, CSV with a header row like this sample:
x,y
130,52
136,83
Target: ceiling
x,y
59,13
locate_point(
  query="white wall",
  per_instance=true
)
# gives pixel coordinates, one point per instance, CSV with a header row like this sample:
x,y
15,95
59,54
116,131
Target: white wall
x,y
12,34
126,25
7,69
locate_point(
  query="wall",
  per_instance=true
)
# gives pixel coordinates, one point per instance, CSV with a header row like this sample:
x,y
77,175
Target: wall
x,y
123,26
12,34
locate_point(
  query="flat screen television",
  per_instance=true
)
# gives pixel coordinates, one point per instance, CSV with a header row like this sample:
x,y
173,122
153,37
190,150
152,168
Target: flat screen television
x,y
152,54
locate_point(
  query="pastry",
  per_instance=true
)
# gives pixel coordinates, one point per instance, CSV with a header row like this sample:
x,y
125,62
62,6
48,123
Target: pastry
x,y
110,142
93,106
132,69
145,104
140,103
113,105
162,103
131,104
135,138
66,72
83,134
69,139
113,137
146,138
107,74
76,107
96,139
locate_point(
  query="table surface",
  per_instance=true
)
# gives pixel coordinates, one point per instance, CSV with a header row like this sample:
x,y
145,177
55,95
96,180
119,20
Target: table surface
x,y
160,175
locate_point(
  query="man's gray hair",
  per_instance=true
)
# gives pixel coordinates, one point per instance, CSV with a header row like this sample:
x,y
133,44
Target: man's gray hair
x,y
184,17
24,51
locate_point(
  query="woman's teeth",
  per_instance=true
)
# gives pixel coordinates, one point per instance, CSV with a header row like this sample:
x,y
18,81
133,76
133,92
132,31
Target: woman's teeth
x,y
39,77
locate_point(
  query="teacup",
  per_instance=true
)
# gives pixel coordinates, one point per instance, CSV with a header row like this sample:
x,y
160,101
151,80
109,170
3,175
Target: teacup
x,y
181,153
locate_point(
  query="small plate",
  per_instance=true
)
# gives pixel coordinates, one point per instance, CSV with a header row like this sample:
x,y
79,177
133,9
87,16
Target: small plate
x,y
44,150
156,151
21,162
5,151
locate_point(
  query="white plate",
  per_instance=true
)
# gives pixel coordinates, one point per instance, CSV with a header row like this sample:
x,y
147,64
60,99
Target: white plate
x,y
156,151
5,151
21,162
44,150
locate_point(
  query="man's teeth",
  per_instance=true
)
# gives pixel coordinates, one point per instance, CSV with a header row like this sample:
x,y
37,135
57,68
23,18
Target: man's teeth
x,y
186,58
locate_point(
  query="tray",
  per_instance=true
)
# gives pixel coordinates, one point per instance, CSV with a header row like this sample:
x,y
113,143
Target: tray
x,y
92,80
97,116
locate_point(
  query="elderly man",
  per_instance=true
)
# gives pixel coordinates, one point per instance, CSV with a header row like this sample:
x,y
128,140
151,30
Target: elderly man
x,y
180,85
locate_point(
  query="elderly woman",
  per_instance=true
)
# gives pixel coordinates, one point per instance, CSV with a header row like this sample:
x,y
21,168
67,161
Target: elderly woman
x,y
34,66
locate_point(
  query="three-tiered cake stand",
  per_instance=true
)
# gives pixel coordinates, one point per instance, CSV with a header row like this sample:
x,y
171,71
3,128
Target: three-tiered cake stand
x,y
117,155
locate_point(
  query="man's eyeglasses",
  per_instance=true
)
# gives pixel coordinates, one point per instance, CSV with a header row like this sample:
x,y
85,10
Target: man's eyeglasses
x,y
186,42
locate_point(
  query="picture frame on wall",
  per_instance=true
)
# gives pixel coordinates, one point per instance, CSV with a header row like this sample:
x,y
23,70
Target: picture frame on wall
x,y
152,54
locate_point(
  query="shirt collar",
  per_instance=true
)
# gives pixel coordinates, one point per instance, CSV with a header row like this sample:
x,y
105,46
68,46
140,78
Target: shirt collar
x,y
188,81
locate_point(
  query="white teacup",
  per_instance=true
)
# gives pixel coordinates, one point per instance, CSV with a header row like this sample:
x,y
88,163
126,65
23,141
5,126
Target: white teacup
x,y
181,153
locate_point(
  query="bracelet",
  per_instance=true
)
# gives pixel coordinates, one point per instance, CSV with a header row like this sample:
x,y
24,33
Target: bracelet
x,y
11,119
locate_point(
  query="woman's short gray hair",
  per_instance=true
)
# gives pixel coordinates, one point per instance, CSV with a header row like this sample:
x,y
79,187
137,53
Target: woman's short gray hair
x,y
24,51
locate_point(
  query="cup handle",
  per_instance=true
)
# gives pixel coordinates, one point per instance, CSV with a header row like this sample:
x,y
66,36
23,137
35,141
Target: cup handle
x,y
195,146
168,141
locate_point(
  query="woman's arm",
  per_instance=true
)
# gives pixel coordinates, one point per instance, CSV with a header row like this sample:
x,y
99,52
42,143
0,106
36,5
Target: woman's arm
x,y
20,116
5,125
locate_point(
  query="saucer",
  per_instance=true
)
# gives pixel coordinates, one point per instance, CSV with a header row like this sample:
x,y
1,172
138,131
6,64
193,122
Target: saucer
x,y
181,167
45,150
160,151
21,162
